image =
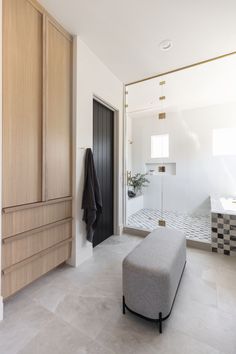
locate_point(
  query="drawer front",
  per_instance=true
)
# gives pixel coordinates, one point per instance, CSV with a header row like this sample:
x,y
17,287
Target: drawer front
x,y
27,219
24,274
17,248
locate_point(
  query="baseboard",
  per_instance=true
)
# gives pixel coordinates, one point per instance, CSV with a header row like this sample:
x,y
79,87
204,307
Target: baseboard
x,y
119,230
1,308
83,254
136,232
200,245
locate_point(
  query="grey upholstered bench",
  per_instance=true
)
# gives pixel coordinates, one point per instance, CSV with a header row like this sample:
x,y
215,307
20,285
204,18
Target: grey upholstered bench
x,y
152,274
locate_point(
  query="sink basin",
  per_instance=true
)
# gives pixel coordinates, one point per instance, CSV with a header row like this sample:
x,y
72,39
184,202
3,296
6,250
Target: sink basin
x,y
228,204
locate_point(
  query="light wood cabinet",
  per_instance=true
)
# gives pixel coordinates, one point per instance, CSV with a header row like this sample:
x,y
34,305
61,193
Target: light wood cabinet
x,y
23,273
22,103
37,158
58,127
15,222
27,244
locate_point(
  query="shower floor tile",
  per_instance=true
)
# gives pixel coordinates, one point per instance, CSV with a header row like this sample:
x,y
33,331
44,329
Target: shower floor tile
x,y
196,228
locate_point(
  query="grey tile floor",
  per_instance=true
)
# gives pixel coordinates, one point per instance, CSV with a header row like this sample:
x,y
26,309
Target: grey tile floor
x,y
78,311
195,227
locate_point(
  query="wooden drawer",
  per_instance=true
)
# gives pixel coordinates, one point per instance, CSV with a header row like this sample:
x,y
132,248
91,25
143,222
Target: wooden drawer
x,y
23,273
22,220
19,247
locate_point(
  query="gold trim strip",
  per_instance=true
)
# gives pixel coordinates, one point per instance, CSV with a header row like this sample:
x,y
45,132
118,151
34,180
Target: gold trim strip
x,y
162,223
162,115
181,68
128,176
162,169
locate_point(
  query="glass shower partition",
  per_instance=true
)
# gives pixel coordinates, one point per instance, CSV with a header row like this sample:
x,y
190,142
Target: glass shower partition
x,y
180,136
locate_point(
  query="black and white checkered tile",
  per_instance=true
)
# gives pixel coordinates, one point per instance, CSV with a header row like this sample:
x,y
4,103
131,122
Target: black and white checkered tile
x,y
196,228
223,233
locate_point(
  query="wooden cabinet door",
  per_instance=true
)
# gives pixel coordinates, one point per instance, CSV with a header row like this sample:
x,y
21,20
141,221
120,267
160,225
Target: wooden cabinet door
x,y
22,102
37,91
58,113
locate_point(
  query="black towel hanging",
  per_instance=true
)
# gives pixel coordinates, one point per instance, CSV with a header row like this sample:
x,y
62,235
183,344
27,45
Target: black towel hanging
x,y
92,197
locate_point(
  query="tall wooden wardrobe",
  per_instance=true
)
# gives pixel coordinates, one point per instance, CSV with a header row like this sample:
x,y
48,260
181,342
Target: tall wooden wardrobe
x,y
37,151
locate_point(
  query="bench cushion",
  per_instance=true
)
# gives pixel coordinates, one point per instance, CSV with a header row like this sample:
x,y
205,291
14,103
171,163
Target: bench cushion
x,y
152,271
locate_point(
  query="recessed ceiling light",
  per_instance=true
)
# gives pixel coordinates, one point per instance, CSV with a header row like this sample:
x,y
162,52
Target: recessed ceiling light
x,y
165,45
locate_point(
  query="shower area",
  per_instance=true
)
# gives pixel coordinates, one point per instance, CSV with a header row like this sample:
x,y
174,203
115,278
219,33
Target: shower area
x,y
181,147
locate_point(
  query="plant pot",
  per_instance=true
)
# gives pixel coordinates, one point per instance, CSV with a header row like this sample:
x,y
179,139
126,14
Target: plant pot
x,y
131,194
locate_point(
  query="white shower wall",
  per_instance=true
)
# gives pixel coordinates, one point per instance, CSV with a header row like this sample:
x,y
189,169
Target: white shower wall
x,y
199,174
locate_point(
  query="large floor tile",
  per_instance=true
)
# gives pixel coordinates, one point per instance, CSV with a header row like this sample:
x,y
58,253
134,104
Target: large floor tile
x,y
175,342
205,323
79,311
226,299
88,314
120,341
59,337
53,293
23,319
197,289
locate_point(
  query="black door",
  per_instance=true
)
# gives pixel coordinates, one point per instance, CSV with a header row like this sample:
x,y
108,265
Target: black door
x,y
103,151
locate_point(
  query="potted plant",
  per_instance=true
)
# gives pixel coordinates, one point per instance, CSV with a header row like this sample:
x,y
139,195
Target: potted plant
x,y
137,182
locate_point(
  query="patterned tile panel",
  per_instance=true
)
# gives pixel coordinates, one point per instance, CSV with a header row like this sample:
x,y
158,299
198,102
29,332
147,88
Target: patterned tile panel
x,y
223,234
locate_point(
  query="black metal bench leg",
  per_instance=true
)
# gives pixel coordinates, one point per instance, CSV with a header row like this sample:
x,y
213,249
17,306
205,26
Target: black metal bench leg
x,y
123,305
160,322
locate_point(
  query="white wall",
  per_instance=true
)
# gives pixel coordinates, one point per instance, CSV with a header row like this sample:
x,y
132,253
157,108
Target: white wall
x,y
133,205
92,78
199,174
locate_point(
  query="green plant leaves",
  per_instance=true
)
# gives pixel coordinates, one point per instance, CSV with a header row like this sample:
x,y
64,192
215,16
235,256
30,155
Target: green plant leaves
x,y
138,181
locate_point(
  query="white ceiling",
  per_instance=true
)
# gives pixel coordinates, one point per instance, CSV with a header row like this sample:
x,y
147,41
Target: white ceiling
x,y
125,34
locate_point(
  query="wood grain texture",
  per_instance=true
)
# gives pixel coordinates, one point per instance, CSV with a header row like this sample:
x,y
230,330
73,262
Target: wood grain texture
x,y
24,220
37,154
22,102
58,114
28,272
41,9
44,102
34,231
34,205
20,249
